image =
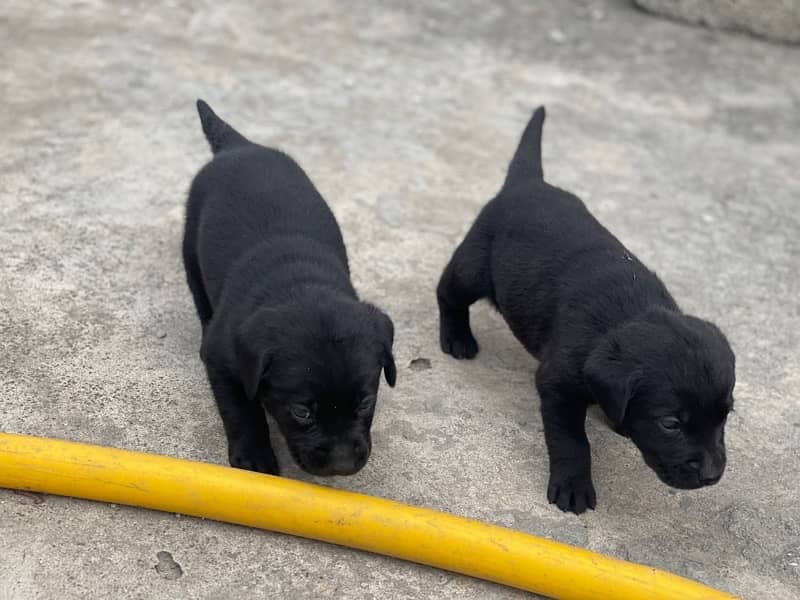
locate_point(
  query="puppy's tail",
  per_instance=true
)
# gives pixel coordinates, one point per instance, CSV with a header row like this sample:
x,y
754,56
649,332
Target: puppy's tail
x,y
219,134
527,161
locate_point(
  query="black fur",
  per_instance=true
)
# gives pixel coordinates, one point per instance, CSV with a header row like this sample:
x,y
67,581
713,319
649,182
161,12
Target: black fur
x,y
283,328
603,327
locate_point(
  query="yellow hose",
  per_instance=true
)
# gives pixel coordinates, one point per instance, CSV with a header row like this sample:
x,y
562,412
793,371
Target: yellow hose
x,y
339,517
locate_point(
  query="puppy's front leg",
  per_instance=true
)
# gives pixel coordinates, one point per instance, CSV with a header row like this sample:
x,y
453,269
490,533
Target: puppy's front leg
x,y
245,425
564,416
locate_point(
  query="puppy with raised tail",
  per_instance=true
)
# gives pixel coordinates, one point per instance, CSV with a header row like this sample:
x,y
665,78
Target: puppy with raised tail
x,y
283,328
603,327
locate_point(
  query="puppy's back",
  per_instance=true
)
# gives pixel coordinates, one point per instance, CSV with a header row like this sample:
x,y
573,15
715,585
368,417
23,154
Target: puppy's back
x,y
250,196
547,254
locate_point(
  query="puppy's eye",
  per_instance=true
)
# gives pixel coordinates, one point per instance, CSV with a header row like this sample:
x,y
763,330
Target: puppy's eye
x,y
670,424
301,412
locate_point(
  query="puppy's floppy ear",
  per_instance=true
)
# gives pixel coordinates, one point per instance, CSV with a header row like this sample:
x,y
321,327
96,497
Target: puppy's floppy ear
x,y
255,348
611,381
385,329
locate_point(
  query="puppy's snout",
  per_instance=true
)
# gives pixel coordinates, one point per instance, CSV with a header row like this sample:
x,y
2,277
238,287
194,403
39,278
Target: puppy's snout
x,y
709,467
348,458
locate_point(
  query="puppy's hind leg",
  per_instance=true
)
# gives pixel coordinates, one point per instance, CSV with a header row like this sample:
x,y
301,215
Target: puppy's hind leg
x,y
465,280
245,425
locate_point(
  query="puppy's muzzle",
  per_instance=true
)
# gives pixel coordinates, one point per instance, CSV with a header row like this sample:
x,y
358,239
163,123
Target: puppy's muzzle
x,y
346,458
709,469
703,470
347,461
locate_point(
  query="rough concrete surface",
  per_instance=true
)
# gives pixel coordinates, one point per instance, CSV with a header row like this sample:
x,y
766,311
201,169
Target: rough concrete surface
x,y
683,141
777,20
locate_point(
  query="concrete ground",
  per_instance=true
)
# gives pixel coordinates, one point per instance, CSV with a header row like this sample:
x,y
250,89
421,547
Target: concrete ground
x,y
683,141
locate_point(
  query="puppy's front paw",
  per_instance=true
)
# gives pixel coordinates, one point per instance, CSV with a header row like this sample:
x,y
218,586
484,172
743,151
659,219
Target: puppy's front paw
x,y
459,344
250,458
571,492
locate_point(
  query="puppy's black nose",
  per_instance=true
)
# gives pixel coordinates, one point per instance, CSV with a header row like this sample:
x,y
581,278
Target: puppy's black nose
x,y
709,471
710,480
347,460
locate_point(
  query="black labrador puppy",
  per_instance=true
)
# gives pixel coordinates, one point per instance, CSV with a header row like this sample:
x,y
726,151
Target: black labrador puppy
x,y
603,327
283,328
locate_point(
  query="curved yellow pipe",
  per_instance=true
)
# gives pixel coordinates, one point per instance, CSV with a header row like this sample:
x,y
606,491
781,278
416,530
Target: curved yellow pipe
x,y
340,517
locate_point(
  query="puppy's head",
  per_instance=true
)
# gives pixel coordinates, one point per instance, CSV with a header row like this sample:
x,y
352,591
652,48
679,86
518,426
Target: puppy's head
x,y
316,370
666,380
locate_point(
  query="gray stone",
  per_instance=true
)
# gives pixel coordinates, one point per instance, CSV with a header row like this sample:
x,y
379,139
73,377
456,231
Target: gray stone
x,y
167,567
404,114
777,20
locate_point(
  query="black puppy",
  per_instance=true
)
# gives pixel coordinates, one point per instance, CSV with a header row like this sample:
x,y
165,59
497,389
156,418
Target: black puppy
x,y
603,327
283,328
